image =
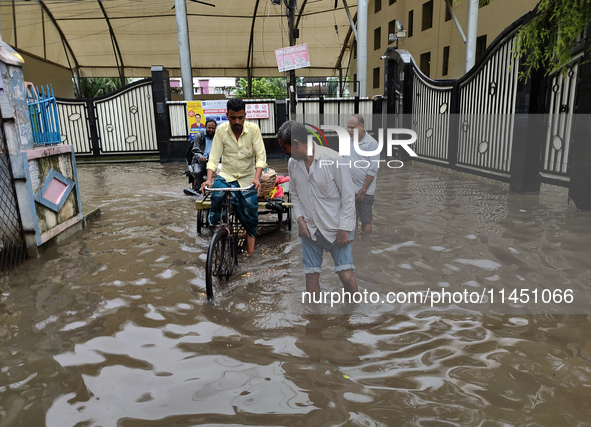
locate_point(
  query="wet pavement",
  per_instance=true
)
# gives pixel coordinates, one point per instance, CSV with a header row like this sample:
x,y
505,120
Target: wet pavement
x,y
112,327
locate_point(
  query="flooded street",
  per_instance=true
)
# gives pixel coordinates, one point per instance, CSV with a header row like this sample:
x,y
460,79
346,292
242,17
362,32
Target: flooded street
x,y
112,326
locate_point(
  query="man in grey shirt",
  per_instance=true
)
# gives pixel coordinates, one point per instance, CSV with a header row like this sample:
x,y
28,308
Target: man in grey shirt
x,y
323,199
364,171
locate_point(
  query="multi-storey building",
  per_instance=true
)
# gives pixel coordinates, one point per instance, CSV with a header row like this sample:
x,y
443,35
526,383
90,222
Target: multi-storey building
x,y
432,37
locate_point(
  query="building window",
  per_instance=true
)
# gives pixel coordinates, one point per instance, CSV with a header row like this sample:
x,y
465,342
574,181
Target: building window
x,y
376,78
377,37
391,29
480,46
448,6
445,68
426,63
391,2
410,22
355,49
378,6
354,83
427,15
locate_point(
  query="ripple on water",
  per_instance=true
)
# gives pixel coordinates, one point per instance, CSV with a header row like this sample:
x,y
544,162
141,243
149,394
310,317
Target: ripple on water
x,y
114,328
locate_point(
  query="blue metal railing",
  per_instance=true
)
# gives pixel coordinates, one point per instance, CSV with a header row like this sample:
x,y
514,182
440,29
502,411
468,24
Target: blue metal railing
x,y
44,116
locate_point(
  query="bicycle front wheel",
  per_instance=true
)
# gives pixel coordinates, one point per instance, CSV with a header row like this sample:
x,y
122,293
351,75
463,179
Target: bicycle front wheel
x,y
221,258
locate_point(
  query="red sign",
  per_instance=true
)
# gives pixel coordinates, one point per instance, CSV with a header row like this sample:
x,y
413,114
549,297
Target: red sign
x,y
257,111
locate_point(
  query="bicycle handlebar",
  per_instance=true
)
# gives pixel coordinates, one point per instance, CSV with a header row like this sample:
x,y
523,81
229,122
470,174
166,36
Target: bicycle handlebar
x,y
250,187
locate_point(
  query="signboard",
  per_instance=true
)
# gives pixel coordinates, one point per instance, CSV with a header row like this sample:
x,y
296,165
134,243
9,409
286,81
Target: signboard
x,y
290,58
257,111
216,110
200,111
195,116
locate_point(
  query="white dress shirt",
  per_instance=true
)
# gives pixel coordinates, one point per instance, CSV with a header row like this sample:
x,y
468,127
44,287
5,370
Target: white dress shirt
x,y
324,195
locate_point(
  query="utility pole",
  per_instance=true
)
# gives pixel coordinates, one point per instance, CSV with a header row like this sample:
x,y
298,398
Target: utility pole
x,y
362,46
291,86
182,29
472,34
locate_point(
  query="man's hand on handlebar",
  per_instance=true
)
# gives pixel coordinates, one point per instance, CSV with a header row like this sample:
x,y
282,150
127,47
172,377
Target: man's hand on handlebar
x,y
257,185
206,184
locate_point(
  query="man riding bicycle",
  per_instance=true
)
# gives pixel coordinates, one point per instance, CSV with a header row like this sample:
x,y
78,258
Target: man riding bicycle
x,y
244,158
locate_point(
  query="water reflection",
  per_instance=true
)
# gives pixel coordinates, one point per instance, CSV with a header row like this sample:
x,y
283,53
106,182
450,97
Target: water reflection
x,y
112,328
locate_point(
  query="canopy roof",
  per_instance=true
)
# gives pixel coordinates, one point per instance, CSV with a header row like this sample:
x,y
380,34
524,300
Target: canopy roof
x,y
99,38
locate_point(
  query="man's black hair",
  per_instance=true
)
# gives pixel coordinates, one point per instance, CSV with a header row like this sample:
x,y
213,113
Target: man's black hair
x,y
236,104
211,120
292,130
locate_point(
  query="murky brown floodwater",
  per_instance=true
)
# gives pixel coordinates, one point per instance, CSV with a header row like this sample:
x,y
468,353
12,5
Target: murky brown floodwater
x,y
112,327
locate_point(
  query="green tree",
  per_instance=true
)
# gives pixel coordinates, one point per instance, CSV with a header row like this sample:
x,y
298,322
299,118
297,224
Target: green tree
x,y
547,41
332,89
262,87
91,87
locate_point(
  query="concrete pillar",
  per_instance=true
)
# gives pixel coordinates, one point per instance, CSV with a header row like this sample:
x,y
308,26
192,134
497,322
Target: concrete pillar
x,y
362,46
182,29
472,34
579,191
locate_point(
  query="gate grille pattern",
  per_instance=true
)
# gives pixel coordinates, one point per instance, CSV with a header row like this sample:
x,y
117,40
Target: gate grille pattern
x,y
125,121
469,122
487,107
73,117
472,122
431,118
122,122
561,105
12,245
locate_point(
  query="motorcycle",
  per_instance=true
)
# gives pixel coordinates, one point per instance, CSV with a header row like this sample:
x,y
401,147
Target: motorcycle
x,y
192,173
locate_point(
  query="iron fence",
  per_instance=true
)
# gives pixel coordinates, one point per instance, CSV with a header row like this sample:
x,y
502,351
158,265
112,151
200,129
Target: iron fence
x,y
44,115
12,245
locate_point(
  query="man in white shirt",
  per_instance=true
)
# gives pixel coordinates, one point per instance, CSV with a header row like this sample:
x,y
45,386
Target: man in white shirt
x,y
364,171
323,198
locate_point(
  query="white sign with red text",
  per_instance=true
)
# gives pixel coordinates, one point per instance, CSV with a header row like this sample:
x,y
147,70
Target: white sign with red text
x,y
290,58
257,111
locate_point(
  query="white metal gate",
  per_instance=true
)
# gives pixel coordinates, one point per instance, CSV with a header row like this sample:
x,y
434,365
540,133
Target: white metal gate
x,y
122,122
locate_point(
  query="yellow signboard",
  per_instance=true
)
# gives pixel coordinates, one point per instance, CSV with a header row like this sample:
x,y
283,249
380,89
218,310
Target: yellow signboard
x,y
195,116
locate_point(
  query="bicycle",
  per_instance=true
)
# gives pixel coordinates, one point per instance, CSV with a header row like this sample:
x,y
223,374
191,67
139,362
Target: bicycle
x,y
222,255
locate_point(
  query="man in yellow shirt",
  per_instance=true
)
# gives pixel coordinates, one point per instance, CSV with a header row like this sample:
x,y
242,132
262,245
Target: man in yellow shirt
x,y
244,158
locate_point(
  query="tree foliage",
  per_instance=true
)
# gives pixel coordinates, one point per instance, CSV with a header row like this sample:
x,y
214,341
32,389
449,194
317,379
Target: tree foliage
x,y
92,87
547,41
263,87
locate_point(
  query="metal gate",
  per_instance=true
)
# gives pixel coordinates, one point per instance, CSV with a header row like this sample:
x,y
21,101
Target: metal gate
x,y
561,105
122,122
12,244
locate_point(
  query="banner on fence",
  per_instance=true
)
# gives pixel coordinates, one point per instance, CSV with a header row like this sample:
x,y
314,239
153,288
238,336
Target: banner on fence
x,y
257,111
198,112
195,116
